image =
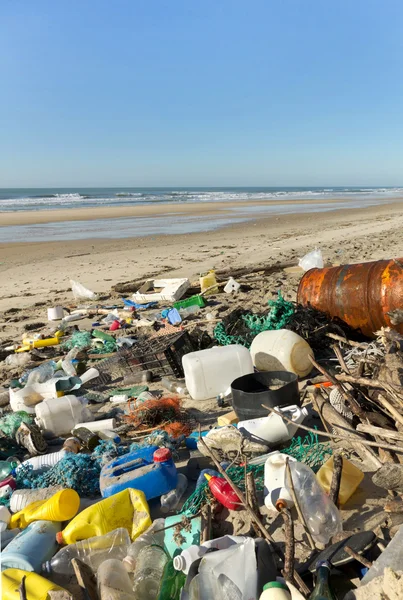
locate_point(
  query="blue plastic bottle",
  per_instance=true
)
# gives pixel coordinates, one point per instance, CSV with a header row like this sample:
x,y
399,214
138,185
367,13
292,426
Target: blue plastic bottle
x,y
151,470
33,546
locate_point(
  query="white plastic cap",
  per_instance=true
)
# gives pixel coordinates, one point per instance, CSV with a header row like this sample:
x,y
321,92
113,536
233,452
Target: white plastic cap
x,y
179,563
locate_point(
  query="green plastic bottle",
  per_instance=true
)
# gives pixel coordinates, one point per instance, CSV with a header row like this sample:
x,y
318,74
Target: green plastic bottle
x,y
172,583
322,590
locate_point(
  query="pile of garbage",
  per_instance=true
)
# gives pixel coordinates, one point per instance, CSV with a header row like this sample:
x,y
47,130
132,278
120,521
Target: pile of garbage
x,y
115,484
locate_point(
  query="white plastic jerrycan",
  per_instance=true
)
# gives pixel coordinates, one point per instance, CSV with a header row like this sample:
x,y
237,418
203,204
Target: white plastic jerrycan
x,y
281,350
275,487
273,429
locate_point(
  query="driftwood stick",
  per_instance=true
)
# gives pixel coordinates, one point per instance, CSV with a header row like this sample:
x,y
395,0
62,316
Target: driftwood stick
x,y
386,404
251,512
380,432
371,383
297,505
289,554
340,358
353,404
316,393
337,436
358,557
252,499
86,579
339,338
336,478
206,523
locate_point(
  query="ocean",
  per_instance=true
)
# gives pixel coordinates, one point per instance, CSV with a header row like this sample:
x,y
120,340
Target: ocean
x,y
22,199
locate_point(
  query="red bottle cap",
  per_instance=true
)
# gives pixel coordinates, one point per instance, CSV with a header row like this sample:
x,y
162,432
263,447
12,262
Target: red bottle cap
x,y
161,455
115,325
59,537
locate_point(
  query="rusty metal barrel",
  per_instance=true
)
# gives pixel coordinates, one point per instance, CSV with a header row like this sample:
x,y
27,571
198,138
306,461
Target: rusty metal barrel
x,y
361,295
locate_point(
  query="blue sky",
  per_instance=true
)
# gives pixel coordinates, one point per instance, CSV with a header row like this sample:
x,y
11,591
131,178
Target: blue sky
x,y
201,92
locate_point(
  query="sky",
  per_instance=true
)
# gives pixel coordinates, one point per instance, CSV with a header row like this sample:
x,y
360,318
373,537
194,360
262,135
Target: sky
x,y
201,92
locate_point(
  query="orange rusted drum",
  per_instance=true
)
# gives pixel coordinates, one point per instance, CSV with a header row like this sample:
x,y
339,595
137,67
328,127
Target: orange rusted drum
x,y
360,295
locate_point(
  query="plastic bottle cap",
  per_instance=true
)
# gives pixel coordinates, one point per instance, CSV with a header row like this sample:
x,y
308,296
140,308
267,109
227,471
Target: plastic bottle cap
x,y
179,563
207,476
161,455
275,584
59,537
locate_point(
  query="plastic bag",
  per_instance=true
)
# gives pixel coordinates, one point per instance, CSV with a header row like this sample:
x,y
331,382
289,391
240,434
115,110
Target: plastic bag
x,y
81,292
312,260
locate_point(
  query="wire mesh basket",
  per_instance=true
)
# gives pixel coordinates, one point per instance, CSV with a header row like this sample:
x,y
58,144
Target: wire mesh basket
x,y
161,355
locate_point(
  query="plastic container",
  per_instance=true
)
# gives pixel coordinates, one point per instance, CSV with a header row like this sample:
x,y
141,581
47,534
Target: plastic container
x,y
22,498
96,426
364,296
5,514
37,587
321,515
59,415
43,462
108,435
208,281
281,350
273,429
210,372
149,537
223,492
150,469
62,506
351,478
148,574
55,313
203,587
6,468
391,557
127,509
275,591
170,500
276,389
93,552
312,260
30,548
189,311
275,482
113,581
192,301
183,561
6,536
231,286
89,439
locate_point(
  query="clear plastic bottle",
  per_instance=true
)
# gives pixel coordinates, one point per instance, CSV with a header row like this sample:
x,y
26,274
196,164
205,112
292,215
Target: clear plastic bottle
x,y
6,468
147,538
203,587
173,386
189,311
148,574
170,500
92,552
321,515
43,373
67,362
113,581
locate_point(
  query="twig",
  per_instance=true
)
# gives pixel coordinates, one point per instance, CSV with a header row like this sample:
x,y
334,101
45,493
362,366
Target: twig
x,y
251,512
371,383
86,579
340,358
339,338
175,524
297,505
288,570
252,499
390,408
315,392
336,437
22,589
206,523
336,478
358,557
380,432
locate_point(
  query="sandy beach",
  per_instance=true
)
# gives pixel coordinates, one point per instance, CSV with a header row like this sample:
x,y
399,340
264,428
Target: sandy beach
x,y
40,272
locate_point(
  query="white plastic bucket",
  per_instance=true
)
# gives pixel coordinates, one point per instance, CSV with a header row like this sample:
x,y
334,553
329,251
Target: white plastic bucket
x,y
55,313
281,350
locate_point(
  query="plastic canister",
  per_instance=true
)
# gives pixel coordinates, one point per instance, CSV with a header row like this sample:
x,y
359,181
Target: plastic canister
x,y
351,477
275,487
281,350
36,586
273,429
95,426
151,470
210,372
62,506
59,415
33,546
208,281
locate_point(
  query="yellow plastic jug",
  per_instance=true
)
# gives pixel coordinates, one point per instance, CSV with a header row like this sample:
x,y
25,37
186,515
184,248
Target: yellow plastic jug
x,y
62,506
351,478
128,509
208,281
37,587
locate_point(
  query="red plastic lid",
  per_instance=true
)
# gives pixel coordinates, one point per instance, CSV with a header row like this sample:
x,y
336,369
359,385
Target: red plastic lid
x,y
59,537
162,454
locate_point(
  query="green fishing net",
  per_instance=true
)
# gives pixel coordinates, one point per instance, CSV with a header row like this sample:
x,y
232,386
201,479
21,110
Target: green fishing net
x,y
279,315
83,341
11,422
307,450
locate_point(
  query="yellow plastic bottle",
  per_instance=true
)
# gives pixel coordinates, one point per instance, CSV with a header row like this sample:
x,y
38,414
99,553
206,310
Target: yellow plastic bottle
x,y
37,587
62,506
351,478
208,281
128,509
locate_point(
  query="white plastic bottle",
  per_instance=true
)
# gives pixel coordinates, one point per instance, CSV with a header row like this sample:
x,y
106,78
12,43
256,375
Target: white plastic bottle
x,y
96,426
275,487
151,536
275,591
170,500
60,415
43,462
21,498
273,429
183,561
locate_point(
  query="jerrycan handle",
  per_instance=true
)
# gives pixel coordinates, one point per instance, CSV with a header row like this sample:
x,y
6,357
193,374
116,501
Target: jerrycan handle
x,y
130,466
